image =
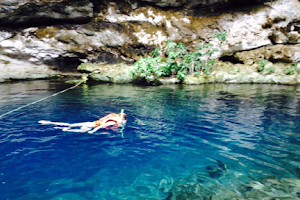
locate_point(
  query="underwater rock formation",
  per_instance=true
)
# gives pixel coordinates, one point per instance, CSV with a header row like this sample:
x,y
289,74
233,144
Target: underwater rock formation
x,y
231,184
59,35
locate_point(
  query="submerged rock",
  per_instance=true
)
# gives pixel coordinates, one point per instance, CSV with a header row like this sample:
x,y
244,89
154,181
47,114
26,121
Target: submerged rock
x,y
216,171
184,189
273,188
266,188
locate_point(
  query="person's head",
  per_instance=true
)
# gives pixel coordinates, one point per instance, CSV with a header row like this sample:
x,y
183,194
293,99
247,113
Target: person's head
x,y
124,116
124,119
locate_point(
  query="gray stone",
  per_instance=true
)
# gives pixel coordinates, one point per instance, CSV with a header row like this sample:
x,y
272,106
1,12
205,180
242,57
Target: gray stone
x,y
169,81
118,73
286,53
278,37
5,35
26,12
20,70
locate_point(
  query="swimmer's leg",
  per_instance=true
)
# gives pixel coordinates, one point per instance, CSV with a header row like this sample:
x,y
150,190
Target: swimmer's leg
x,y
87,124
84,124
95,129
81,130
44,122
84,127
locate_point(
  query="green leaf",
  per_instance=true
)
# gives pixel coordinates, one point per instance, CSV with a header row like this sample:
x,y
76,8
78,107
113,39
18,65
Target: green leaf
x,y
170,46
155,53
222,36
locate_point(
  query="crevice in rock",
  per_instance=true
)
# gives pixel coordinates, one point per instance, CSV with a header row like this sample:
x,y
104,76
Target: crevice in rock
x,y
66,12
42,22
107,58
98,5
282,60
231,59
233,6
66,63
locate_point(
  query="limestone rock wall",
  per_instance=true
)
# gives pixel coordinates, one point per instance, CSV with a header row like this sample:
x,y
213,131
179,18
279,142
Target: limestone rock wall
x,y
59,35
16,13
201,3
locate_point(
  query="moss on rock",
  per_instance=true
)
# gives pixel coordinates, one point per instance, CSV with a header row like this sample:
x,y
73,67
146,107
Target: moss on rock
x,y
113,73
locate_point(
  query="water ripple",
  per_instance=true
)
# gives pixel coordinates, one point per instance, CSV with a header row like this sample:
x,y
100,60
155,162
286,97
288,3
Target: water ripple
x,y
174,135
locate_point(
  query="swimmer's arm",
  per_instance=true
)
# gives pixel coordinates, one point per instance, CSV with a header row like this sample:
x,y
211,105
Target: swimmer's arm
x,y
102,126
95,129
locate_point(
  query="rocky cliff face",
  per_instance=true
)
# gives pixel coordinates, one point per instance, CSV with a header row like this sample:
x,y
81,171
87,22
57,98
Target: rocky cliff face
x,y
45,38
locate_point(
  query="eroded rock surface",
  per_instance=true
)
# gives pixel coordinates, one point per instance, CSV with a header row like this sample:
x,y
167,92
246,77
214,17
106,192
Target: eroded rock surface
x,y
62,34
17,13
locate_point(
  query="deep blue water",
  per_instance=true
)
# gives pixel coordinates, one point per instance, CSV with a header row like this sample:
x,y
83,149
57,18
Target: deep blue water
x,y
172,132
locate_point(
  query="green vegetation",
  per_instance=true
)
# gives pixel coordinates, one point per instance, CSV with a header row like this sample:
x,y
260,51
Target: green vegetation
x,y
261,65
270,69
221,36
177,60
292,69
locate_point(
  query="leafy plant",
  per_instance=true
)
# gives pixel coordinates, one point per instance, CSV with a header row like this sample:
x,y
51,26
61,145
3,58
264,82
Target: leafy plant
x,y
177,60
147,68
270,69
292,69
222,36
155,53
261,64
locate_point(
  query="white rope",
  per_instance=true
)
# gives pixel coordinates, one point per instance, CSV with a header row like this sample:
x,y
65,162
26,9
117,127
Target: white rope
x,y
43,98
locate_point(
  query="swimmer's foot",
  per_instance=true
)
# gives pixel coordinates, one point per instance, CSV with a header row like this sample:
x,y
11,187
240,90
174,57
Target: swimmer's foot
x,y
44,122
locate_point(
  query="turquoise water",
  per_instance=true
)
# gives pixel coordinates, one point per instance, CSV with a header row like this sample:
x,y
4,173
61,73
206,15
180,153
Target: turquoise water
x,y
219,138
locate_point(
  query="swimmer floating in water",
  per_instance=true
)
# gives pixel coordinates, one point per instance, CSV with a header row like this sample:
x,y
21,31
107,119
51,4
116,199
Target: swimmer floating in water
x,y
112,120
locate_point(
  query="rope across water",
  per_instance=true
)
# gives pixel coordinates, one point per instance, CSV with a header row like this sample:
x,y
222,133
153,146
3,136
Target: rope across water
x,y
83,80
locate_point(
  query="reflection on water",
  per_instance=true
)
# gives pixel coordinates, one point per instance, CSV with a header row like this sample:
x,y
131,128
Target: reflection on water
x,y
180,142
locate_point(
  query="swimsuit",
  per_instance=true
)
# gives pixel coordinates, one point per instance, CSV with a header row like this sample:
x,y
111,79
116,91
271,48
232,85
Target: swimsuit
x,y
97,123
111,117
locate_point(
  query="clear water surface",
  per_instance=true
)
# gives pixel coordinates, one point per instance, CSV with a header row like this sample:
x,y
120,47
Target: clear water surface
x,y
227,136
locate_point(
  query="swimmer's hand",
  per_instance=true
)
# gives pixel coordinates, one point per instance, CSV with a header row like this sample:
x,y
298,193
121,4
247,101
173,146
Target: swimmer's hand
x,y
110,123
